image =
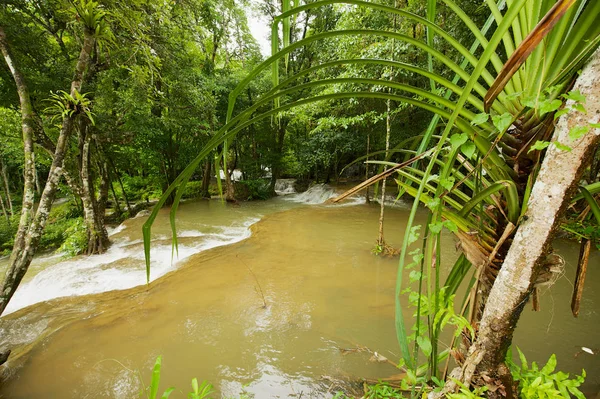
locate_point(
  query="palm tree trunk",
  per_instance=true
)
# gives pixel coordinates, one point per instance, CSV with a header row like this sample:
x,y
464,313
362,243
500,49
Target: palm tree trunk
x,y
556,183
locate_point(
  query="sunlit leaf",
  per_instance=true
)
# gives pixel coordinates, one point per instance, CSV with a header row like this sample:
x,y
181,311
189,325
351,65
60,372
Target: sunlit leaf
x,y
479,119
578,132
502,122
539,145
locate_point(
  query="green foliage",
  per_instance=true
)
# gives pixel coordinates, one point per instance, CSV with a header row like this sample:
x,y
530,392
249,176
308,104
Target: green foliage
x,y
253,189
200,391
63,104
384,391
141,188
536,383
155,381
465,393
64,226
8,229
75,238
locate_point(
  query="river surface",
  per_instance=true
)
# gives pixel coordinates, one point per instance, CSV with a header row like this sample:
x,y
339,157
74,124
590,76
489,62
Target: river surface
x,y
262,298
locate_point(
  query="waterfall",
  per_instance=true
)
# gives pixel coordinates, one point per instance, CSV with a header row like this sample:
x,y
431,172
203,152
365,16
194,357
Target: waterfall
x,y
285,186
316,194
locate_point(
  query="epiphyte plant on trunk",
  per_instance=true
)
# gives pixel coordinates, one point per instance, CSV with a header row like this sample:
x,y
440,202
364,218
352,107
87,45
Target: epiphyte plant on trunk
x,y
70,106
480,176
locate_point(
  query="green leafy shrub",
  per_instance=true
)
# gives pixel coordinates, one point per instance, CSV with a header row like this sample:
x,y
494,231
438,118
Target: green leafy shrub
x,y
61,226
536,383
253,190
75,238
141,188
8,229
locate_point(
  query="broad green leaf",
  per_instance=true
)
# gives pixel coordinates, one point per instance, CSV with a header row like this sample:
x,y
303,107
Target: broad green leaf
x,y
425,345
167,393
447,183
436,228
539,145
576,96
562,147
550,365
468,149
502,122
433,204
580,108
549,106
561,112
450,225
414,234
456,140
414,276
578,132
479,119
155,378
529,101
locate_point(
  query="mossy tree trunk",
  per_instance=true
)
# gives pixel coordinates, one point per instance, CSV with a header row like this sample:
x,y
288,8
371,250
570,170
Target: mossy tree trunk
x,y
32,225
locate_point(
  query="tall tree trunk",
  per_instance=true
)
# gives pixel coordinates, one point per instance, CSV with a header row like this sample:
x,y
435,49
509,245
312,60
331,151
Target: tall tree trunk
x,y
556,182
118,209
388,127
31,227
276,165
118,175
28,128
6,187
4,211
204,193
103,196
92,212
367,198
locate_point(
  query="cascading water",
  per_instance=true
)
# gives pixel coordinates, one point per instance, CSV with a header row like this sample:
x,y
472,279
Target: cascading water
x,y
316,194
267,315
285,186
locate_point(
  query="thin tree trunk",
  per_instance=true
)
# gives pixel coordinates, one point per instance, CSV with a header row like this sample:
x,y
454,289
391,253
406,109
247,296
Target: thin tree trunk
x,y
4,210
28,129
380,239
96,232
556,182
31,228
204,193
118,175
388,128
6,188
118,209
367,199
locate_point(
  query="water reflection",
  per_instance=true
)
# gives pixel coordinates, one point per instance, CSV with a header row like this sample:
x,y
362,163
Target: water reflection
x,y
324,291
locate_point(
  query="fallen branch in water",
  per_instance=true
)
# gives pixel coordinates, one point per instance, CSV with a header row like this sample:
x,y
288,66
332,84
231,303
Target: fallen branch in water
x,y
383,175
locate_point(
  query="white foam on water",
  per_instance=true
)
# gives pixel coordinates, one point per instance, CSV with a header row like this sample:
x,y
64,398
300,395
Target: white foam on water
x,y
119,268
316,194
352,201
114,230
285,186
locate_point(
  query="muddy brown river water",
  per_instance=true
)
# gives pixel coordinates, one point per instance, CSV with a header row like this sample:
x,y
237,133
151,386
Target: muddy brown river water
x,y
311,264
